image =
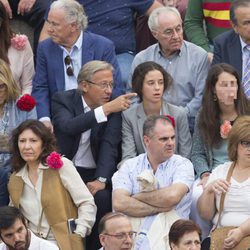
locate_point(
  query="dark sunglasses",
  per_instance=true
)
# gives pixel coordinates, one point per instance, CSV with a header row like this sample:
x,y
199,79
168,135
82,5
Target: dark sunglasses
x,y
68,63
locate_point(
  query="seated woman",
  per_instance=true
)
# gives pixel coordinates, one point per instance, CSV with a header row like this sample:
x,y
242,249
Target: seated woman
x,y
10,117
48,189
223,100
233,180
149,81
16,51
184,235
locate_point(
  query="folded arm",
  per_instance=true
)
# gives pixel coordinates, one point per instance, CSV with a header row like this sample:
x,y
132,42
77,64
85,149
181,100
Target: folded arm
x,y
165,198
124,203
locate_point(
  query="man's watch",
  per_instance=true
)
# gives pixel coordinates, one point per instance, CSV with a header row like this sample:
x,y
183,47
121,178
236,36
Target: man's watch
x,y
102,179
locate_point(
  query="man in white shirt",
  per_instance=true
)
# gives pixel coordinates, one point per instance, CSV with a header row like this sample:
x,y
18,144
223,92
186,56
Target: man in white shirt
x,y
173,177
15,234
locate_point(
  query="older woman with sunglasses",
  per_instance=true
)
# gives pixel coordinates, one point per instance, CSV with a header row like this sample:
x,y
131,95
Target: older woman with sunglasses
x,y
10,117
231,179
15,50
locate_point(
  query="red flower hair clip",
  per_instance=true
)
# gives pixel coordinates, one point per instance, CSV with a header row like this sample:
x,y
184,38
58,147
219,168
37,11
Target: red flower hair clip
x,y
225,129
54,160
171,119
26,103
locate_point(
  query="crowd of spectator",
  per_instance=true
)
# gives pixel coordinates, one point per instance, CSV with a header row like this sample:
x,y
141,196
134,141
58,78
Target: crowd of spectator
x,y
126,125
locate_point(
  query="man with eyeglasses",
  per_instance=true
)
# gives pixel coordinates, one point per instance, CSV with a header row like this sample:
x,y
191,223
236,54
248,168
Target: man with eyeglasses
x,y
60,57
87,126
115,232
185,62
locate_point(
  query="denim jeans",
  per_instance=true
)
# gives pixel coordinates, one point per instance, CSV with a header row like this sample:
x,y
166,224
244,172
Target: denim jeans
x,y
4,178
124,61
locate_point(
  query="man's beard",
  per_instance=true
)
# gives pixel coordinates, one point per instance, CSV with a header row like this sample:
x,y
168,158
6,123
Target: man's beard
x,y
26,245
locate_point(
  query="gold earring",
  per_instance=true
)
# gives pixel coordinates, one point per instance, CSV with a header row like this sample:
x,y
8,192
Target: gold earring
x,y
215,98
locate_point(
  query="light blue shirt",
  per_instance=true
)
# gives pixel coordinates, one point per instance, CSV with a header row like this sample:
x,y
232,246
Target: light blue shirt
x,y
176,169
188,67
245,55
76,57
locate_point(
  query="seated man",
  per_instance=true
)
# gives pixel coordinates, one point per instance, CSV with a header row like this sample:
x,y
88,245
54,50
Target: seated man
x,y
15,234
88,131
115,232
60,57
185,62
174,175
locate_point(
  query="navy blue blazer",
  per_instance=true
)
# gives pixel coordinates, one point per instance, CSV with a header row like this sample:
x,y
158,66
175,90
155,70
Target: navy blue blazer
x,y
227,49
49,76
70,122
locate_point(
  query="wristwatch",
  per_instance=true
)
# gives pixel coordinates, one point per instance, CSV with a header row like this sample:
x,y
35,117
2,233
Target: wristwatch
x,y
102,179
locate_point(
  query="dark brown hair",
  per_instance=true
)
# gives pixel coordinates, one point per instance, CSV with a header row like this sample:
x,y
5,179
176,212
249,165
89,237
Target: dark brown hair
x,y
209,118
139,75
181,227
240,131
38,128
5,33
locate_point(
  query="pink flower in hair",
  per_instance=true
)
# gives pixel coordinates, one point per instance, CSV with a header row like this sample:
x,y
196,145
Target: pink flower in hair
x,y
54,160
225,129
19,41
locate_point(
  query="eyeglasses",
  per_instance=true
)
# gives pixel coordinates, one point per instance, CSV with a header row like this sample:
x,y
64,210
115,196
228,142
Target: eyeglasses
x,y
102,85
123,236
245,144
168,33
68,63
2,86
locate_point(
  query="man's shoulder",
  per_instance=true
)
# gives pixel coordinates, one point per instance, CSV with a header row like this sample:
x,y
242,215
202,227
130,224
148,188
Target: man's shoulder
x,y
66,94
3,246
90,37
226,37
148,52
194,49
37,243
176,160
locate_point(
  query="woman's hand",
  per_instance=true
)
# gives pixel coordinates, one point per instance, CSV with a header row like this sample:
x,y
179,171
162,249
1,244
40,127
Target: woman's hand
x,y
219,186
233,238
204,179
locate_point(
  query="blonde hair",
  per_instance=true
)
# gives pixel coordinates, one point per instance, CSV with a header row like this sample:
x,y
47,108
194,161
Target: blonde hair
x,y
240,131
6,77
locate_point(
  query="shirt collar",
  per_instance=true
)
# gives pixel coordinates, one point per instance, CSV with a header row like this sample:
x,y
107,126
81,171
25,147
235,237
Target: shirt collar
x,y
77,44
148,165
243,44
24,171
177,53
85,105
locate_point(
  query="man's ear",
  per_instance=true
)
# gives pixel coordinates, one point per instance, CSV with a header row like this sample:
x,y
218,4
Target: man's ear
x,y
146,140
101,238
155,34
73,27
84,86
234,26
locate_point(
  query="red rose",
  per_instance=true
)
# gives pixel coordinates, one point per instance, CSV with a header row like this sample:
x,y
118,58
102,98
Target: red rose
x,y
54,160
26,103
225,129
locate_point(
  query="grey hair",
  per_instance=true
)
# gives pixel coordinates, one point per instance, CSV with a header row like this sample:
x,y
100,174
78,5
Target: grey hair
x,y
90,68
149,124
235,5
74,12
153,23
